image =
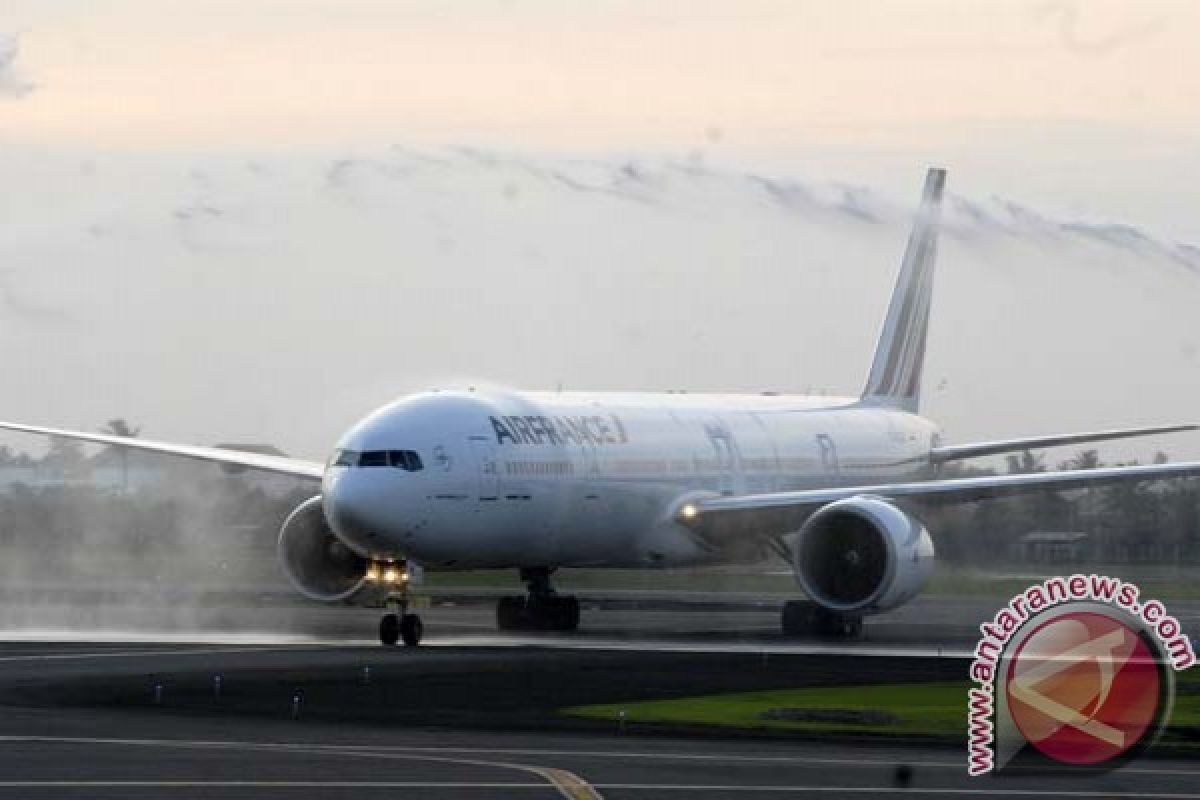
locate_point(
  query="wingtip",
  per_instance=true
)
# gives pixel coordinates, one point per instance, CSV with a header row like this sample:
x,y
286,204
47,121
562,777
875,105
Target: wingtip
x,y
935,182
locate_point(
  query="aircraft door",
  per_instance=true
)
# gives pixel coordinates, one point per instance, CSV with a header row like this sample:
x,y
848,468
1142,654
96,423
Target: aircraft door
x,y
828,453
726,455
488,468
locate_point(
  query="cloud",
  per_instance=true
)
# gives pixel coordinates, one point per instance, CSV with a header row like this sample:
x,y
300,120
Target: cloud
x,y
670,186
1067,17
12,84
14,302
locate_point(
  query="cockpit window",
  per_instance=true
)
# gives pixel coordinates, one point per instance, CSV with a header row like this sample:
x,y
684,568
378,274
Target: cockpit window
x,y
373,458
400,459
405,459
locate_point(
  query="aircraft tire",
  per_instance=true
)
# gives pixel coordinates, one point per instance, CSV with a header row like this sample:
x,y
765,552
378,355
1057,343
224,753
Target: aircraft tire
x,y
799,618
850,627
568,616
802,618
553,613
509,613
389,630
411,630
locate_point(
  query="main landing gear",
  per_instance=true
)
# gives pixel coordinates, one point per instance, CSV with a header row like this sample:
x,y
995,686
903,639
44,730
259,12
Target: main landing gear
x,y
802,618
397,624
541,609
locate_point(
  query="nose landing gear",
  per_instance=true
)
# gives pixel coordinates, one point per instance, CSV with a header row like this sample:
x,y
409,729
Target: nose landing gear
x,y
394,627
398,624
542,609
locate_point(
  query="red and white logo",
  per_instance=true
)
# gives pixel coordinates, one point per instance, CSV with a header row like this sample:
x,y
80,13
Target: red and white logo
x,y
1085,687
1075,671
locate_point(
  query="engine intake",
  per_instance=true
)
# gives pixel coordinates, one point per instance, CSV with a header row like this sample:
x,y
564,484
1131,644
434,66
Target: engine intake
x,y
318,564
862,554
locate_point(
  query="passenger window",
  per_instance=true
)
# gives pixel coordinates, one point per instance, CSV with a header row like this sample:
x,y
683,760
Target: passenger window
x,y
373,458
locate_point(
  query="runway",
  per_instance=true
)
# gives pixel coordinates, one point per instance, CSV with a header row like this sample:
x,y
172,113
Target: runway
x,y
927,625
643,620
356,764
471,715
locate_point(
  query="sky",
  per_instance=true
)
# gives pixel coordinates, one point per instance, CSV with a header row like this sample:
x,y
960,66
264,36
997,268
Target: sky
x,y
258,219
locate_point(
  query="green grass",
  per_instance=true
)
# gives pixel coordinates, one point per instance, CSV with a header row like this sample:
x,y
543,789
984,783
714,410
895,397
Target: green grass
x,y
982,584
1187,701
919,709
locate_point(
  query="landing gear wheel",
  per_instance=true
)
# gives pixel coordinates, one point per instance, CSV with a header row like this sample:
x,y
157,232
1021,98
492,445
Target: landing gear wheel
x,y
852,627
509,611
411,629
542,609
799,618
550,613
802,618
389,629
567,618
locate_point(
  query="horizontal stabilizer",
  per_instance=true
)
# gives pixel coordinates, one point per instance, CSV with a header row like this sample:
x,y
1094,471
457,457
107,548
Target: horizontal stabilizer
x,y
940,455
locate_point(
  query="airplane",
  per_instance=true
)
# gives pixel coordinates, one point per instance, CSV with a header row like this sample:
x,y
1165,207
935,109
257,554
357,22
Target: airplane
x,y
540,481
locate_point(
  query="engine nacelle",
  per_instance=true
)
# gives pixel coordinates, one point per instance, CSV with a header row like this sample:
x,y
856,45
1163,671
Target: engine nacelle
x,y
862,554
318,564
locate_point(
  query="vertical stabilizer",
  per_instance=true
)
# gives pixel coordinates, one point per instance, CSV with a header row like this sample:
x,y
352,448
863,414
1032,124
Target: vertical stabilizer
x,y
895,379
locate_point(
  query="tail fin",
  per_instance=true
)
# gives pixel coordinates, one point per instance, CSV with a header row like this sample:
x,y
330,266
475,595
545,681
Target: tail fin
x,y
895,379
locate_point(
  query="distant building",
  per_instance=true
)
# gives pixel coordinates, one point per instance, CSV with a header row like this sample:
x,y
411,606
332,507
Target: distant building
x,y
123,470
1053,547
120,469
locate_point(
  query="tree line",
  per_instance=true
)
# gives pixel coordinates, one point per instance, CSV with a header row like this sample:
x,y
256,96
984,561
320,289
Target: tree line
x,y
1148,521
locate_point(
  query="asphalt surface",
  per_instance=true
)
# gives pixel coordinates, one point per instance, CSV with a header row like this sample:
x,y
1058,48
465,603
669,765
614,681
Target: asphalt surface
x,y
472,714
930,624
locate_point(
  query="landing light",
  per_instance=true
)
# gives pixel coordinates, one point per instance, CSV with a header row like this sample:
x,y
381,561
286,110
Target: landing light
x,y
689,511
390,576
372,573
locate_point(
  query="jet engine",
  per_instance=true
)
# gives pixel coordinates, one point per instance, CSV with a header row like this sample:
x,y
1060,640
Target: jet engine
x,y
862,555
318,564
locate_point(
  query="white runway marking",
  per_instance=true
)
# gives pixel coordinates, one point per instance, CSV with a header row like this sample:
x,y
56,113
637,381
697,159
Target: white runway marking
x,y
267,642
701,646
886,790
917,792
645,787
118,636
568,784
730,758
76,656
572,786
267,785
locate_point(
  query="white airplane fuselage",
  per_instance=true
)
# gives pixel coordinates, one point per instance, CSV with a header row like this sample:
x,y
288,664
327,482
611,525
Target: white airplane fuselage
x,y
579,479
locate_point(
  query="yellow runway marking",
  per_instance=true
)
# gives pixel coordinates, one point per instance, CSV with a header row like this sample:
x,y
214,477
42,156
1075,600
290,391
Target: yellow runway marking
x,y
569,784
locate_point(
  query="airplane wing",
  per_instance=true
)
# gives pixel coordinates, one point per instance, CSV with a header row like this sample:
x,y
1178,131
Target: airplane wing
x,y
230,458
940,455
726,518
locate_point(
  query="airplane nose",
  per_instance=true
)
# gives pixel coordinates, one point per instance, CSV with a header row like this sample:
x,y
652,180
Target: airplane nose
x,y
356,512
